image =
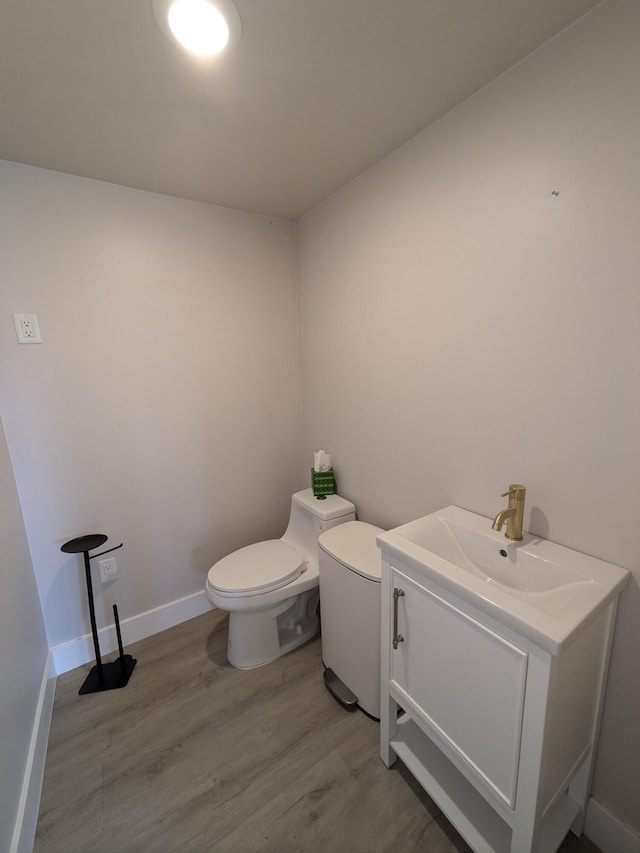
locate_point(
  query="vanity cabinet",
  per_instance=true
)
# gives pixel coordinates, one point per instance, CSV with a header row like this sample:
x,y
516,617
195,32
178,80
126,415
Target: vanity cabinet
x,y
499,731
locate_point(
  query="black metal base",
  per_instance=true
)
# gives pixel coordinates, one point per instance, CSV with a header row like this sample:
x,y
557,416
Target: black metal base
x,y
115,674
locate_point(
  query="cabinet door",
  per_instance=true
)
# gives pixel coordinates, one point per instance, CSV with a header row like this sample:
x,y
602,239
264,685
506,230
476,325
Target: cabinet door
x,y
465,682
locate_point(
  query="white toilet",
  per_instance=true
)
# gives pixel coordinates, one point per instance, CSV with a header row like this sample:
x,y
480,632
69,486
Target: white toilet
x,y
271,588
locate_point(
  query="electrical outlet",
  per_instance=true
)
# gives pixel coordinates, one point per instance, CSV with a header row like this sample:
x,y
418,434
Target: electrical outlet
x,y
27,328
108,569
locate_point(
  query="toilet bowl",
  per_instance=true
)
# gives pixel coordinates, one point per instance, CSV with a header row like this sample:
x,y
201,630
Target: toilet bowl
x,y
270,589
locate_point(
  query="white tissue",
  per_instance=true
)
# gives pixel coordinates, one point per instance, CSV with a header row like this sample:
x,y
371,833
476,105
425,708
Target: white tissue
x,y
322,461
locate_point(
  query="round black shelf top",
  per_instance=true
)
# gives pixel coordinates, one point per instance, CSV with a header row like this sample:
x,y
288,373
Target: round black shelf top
x,y
84,543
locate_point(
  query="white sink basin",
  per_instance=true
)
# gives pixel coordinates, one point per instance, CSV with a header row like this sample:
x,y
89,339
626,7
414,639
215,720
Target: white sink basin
x,y
541,589
469,542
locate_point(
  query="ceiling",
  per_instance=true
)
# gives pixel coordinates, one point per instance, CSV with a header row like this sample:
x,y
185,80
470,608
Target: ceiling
x,y
314,93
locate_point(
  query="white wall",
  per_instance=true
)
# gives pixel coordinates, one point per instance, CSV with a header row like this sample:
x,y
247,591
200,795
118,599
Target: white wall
x,y
463,327
23,662
163,406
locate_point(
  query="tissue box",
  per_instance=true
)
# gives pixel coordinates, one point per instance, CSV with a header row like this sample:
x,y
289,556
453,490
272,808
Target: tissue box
x,y
323,483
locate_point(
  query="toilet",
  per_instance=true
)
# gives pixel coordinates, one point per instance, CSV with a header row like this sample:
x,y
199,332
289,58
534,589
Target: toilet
x,y
270,589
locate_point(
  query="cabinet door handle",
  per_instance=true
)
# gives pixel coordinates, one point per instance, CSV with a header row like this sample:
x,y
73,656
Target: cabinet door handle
x,y
397,638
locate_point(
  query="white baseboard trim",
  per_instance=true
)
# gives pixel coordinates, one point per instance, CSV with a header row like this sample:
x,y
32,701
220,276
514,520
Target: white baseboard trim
x,y
609,832
80,651
24,830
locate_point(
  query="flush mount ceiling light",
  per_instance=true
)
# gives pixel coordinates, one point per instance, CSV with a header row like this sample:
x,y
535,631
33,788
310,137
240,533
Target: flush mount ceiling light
x,y
204,27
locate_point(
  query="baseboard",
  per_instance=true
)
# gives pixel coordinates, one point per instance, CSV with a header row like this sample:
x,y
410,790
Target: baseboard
x,y
80,651
609,832
27,817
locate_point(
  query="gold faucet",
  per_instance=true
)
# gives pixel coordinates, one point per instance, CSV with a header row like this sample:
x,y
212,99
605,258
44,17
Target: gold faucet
x,y
514,513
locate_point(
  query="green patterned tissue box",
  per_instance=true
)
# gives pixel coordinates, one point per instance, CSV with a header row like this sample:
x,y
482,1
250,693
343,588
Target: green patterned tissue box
x,y
323,484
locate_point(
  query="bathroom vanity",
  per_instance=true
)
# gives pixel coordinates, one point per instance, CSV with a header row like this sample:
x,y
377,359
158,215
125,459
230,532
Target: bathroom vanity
x,y
494,657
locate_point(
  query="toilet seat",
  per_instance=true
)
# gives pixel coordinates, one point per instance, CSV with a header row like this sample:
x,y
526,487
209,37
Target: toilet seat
x,y
257,569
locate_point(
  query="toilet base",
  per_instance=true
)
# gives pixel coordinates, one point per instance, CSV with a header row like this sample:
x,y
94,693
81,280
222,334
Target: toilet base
x,y
258,637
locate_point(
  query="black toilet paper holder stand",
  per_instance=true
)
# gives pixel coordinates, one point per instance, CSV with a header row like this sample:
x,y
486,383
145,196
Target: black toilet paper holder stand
x,y
103,676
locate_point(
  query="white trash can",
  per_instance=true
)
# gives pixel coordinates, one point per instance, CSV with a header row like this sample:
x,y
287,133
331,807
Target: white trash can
x,y
350,577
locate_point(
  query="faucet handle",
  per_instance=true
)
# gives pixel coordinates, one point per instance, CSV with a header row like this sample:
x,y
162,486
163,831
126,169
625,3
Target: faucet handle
x,y
513,489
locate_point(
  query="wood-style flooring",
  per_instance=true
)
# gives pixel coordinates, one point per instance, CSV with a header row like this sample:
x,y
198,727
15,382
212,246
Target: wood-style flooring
x,y
194,755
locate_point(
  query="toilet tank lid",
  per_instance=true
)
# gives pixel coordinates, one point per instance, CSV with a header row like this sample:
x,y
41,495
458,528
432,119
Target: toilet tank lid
x,y
333,506
354,545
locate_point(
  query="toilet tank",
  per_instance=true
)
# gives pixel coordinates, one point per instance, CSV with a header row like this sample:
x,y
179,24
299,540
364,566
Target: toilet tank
x,y
311,516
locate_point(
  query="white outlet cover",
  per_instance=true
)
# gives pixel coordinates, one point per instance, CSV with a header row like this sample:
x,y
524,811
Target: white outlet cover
x,y
108,569
27,328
